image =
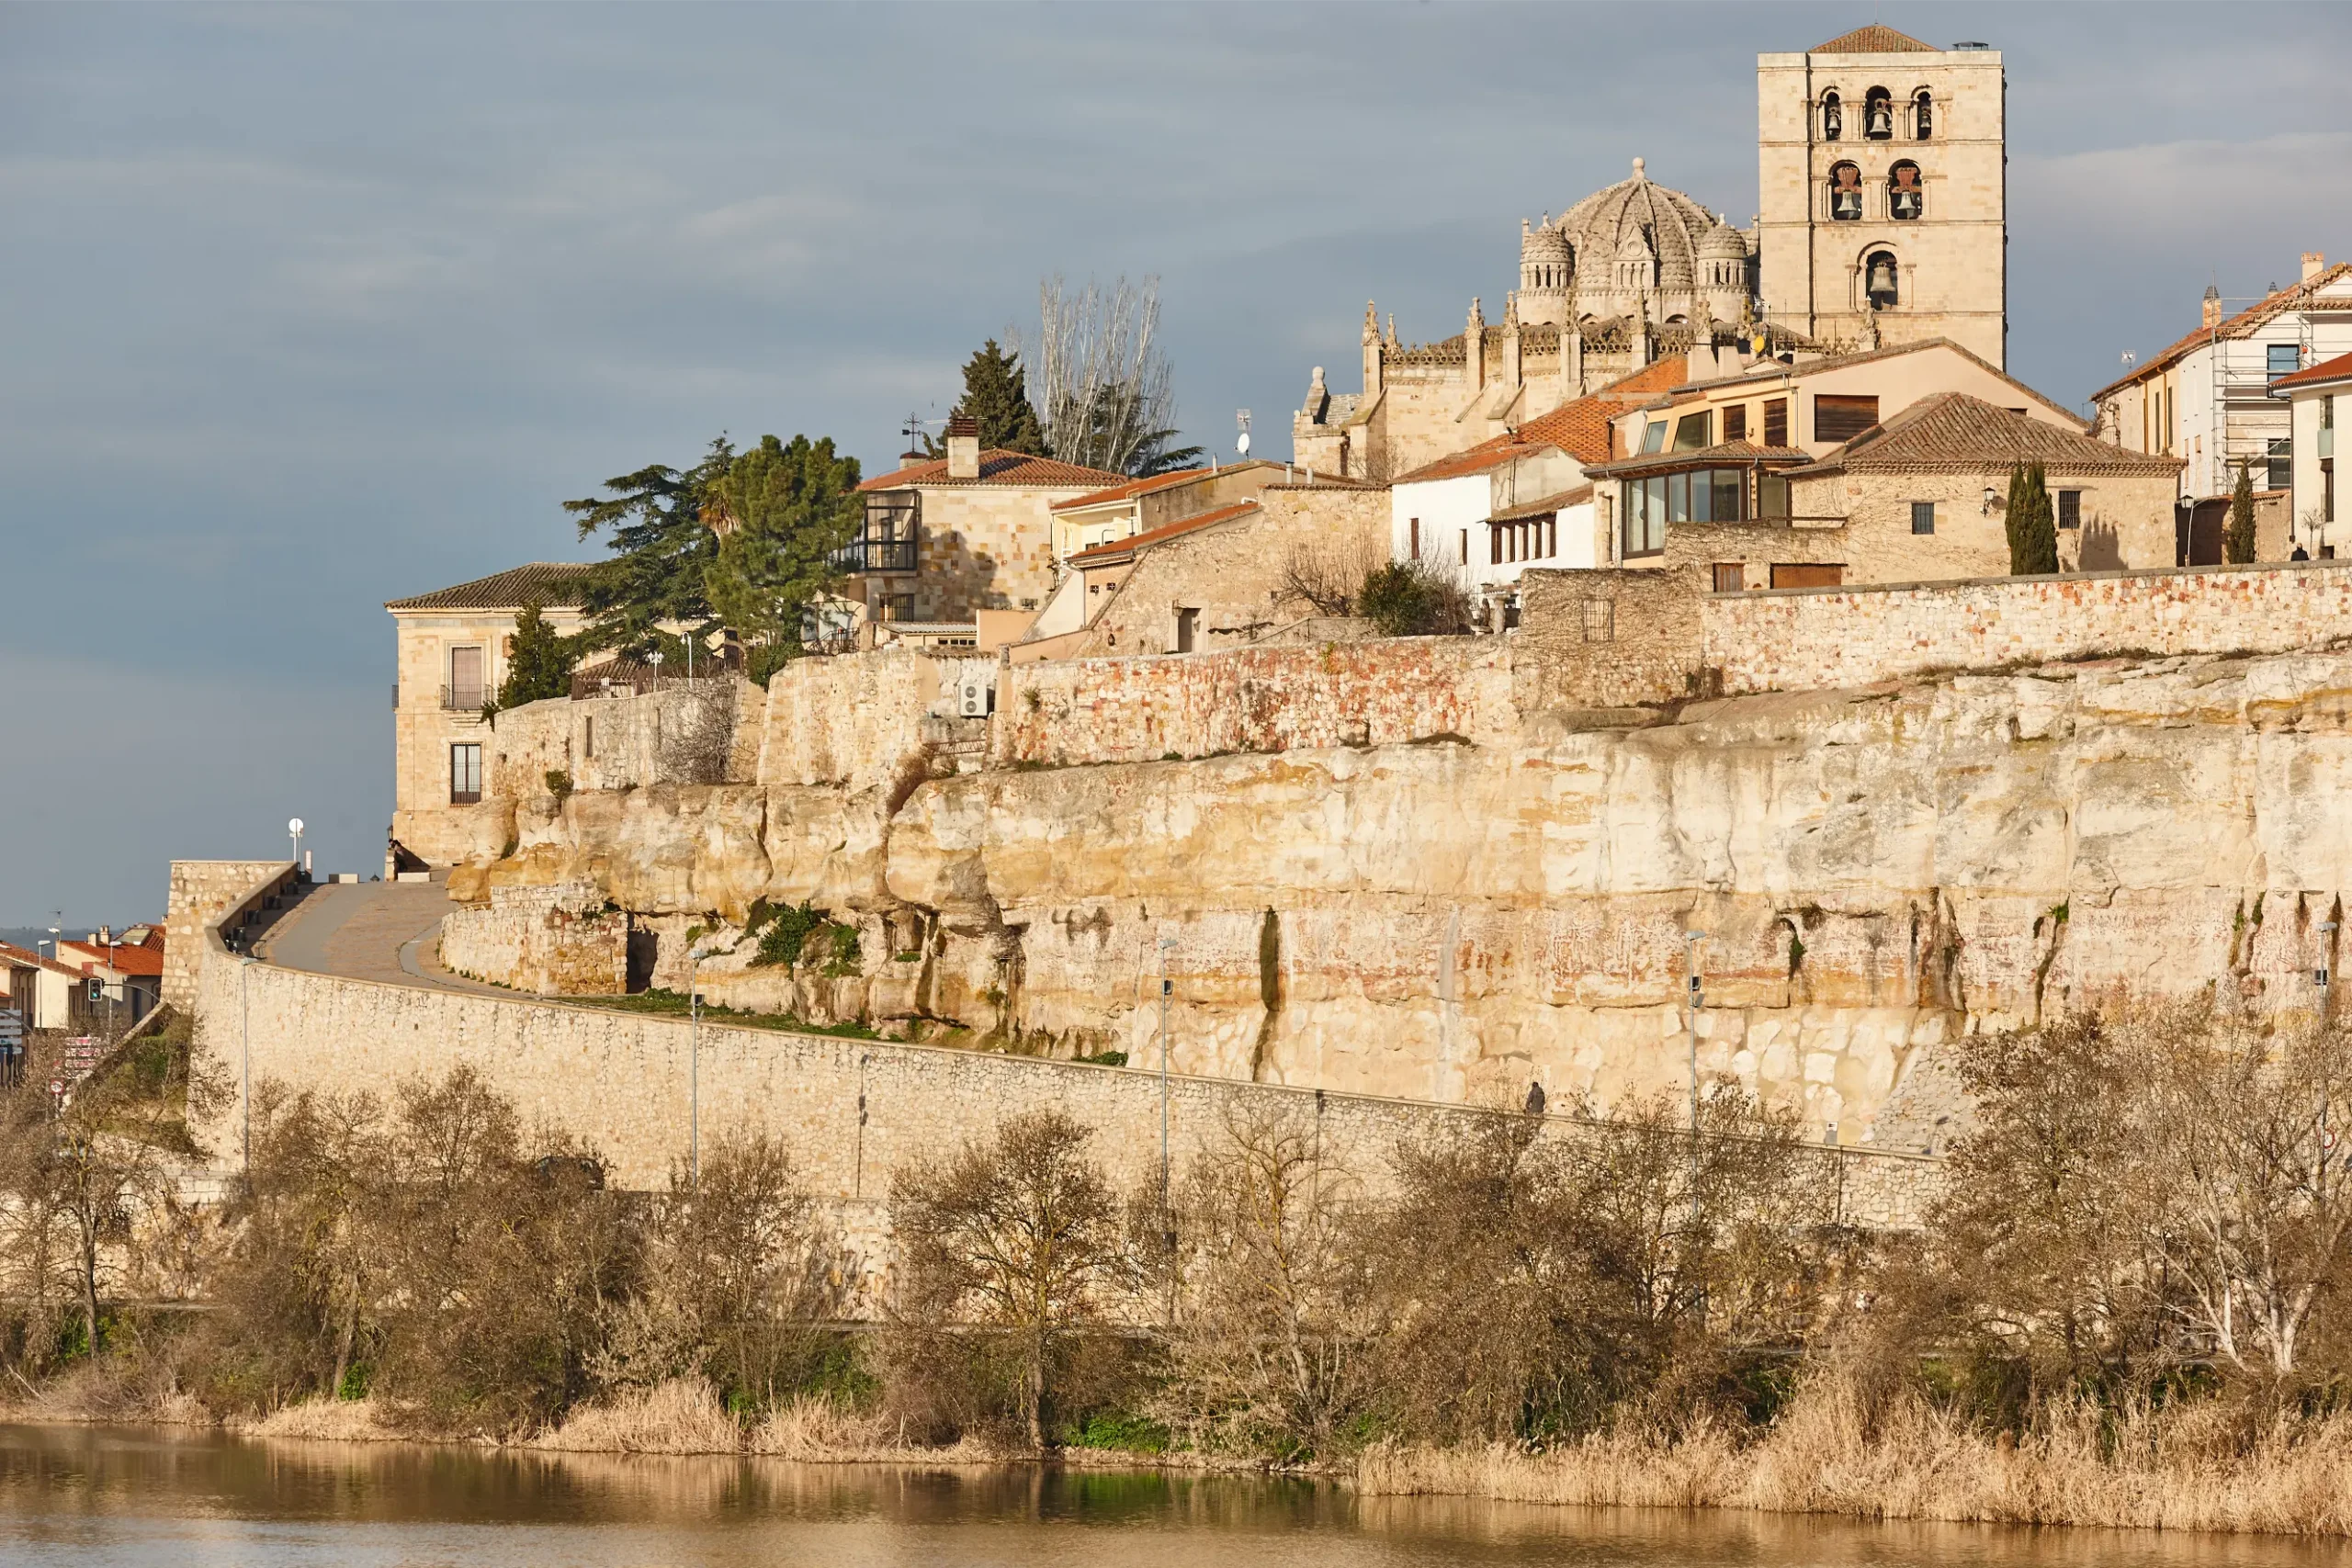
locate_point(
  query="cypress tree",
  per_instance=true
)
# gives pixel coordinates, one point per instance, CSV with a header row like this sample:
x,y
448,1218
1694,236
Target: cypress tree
x,y
2237,542
2013,515
995,397
2033,551
540,666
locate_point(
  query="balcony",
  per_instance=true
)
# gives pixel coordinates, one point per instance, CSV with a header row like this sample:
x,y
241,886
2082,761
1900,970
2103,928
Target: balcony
x,y
463,699
869,556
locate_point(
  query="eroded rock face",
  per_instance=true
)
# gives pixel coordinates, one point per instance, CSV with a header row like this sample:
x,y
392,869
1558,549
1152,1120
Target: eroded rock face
x,y
1875,872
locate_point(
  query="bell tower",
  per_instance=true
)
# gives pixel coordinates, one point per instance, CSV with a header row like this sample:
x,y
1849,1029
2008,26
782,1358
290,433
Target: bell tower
x,y
1882,167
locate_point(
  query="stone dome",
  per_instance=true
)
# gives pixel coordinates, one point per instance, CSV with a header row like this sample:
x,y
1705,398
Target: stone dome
x,y
1544,244
1669,222
1723,242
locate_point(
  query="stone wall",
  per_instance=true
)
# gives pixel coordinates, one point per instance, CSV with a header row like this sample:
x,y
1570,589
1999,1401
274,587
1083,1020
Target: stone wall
x,y
852,720
559,941
1610,638
1807,639
1255,699
2127,523
683,733
203,895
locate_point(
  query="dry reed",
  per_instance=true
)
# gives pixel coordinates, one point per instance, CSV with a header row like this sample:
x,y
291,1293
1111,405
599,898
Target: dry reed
x,y
817,1430
683,1415
327,1420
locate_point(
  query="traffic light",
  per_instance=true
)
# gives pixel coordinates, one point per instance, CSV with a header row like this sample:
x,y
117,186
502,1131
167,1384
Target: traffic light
x,y
97,989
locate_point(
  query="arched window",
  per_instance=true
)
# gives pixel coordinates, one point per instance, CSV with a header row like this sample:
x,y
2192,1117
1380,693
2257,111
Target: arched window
x,y
1907,198
1845,193
1879,279
1878,115
1833,118
1923,115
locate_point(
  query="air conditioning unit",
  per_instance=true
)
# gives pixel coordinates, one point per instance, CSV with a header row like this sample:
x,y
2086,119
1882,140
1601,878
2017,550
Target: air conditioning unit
x,y
976,695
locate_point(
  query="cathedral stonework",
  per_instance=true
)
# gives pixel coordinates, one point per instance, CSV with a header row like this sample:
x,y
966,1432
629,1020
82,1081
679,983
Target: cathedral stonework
x,y
1882,221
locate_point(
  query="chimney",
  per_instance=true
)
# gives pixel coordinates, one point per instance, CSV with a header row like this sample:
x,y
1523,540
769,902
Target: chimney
x,y
2314,263
963,447
2213,305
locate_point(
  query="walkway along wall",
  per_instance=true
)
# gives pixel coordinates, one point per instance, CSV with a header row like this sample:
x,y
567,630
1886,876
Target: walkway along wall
x,y
852,1112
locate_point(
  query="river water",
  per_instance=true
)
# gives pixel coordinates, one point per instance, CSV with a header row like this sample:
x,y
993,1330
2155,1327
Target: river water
x,y
158,1499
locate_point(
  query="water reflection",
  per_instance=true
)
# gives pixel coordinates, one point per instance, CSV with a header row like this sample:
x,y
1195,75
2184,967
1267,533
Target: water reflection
x,y
156,1498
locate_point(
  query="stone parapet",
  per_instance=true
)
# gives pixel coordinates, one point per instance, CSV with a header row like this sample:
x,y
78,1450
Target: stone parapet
x,y
206,897
559,941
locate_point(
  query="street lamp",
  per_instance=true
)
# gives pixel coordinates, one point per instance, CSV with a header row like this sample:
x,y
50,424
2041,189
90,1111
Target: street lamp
x,y
1166,987
294,829
694,955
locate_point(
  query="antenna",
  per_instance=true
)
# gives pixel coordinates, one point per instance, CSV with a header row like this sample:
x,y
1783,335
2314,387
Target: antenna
x,y
2130,360
1241,442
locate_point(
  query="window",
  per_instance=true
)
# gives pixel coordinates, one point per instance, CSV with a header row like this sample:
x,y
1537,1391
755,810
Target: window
x,y
2283,358
588,737
1188,627
1833,118
1878,115
1494,544
1600,620
465,775
1923,115
1845,193
1808,574
1772,497
1653,436
2281,455
1879,280
1415,548
1691,432
1727,494
1643,510
1735,422
1907,198
465,692
1923,517
1466,546
1842,418
1730,576
2070,509
1776,421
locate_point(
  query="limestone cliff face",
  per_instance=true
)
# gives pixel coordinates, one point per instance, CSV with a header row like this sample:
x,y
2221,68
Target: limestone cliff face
x,y
1874,871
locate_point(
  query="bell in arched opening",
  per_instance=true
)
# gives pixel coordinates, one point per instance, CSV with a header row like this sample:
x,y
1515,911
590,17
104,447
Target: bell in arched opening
x,y
1879,280
1833,118
1923,115
1878,115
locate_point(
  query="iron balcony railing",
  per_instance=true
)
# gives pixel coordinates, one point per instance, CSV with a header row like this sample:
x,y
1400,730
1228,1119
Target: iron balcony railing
x,y
876,555
463,699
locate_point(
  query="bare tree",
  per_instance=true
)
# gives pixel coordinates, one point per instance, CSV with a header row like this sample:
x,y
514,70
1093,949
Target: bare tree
x,y
734,1260
1098,379
1328,575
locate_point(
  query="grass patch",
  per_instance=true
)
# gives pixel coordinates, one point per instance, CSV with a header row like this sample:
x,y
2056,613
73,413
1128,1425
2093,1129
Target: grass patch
x,y
659,1003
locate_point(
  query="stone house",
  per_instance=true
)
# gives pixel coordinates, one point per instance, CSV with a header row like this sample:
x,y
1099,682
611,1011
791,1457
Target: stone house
x,y
945,538
1138,506
2311,396
452,646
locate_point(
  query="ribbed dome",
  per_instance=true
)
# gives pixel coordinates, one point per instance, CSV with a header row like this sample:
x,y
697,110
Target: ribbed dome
x,y
1723,242
1546,243
1669,222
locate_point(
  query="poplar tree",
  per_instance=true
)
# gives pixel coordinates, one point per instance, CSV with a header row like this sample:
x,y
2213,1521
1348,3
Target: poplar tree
x,y
2237,540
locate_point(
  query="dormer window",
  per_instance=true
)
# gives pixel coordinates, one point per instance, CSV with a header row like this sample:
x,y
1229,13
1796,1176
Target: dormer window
x,y
1923,115
1833,118
1878,278
1878,115
1845,193
1905,198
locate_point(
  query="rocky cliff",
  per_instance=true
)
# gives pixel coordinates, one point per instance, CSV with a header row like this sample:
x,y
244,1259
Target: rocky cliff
x,y
1874,872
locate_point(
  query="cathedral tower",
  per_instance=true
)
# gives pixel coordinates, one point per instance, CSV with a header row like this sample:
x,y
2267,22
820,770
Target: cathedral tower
x,y
1881,170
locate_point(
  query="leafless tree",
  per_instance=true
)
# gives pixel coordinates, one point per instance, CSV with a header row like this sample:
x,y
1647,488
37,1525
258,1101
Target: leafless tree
x,y
1326,575
1098,379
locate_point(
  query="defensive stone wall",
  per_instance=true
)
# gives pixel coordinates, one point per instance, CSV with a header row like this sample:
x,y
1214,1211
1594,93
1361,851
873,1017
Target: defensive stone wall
x,y
208,896
556,940
1829,639
852,720
1611,637
1255,699
681,734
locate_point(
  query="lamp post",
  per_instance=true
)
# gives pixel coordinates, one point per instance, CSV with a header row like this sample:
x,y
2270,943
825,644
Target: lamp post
x,y
294,830
693,1068
1690,941
1166,985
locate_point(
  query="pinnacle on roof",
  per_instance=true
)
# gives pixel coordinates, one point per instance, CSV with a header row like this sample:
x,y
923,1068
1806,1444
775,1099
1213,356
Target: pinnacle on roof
x,y
1875,38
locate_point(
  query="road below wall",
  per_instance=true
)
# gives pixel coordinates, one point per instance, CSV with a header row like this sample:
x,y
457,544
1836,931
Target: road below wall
x,y
369,930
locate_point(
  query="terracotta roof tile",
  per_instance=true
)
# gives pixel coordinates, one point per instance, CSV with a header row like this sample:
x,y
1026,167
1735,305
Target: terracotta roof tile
x,y
1110,551
143,960
1875,38
1698,457
1543,506
1579,427
2323,374
999,466
13,954
1158,483
2231,327
555,584
1952,430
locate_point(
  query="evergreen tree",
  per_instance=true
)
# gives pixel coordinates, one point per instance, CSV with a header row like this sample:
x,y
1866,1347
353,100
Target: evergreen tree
x,y
662,548
2031,523
995,395
787,508
2237,541
540,666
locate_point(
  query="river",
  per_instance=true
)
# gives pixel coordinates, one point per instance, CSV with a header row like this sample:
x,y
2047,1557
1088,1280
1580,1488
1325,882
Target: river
x,y
173,1499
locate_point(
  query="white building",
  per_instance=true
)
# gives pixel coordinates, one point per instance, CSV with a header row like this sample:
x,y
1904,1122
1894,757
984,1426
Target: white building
x,y
2311,396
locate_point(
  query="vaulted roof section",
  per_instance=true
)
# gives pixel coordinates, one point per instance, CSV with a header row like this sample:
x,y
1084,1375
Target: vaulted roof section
x,y
1875,38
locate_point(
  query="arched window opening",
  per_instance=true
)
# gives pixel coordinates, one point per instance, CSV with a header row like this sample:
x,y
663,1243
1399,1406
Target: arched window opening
x,y
1923,115
1878,115
1845,193
1905,198
1833,118
1879,280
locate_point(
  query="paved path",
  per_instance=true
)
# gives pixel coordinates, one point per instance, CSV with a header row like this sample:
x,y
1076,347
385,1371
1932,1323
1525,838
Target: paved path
x,y
369,930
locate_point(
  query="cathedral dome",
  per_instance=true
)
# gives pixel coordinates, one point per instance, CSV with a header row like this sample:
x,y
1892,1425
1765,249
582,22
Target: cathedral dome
x,y
1546,243
1669,222
1723,242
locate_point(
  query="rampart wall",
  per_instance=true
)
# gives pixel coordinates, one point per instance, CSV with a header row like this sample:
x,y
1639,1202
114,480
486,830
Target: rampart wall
x,y
209,895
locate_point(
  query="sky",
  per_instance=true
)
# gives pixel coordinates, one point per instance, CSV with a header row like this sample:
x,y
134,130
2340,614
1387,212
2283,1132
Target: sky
x,y
304,308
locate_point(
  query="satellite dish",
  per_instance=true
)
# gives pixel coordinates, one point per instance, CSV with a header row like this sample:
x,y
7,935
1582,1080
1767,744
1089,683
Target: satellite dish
x,y
295,825
1242,446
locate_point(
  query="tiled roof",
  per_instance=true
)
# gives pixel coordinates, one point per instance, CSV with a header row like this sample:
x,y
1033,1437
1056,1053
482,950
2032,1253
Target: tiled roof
x,y
1546,506
1109,553
556,585
1698,457
1952,430
143,960
2243,325
2325,373
1484,457
1579,427
1875,40
11,953
999,466
1157,482
1773,370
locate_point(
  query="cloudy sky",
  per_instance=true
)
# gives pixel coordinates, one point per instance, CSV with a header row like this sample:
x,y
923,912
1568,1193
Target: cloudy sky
x,y
305,307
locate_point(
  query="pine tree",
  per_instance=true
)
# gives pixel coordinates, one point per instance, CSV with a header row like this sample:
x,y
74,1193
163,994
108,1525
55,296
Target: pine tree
x,y
788,509
2237,541
540,665
2035,551
662,548
995,395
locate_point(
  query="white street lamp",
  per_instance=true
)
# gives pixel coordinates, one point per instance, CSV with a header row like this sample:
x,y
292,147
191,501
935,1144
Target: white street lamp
x,y
294,828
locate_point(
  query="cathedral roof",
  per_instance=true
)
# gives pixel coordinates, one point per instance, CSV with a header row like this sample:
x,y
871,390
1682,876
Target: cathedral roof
x,y
1637,211
1875,40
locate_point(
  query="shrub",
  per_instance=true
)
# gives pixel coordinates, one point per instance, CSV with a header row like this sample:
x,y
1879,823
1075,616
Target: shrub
x,y
1412,599
783,930
558,783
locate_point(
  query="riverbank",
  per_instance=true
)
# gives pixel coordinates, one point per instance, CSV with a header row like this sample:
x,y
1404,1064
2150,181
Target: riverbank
x,y
2197,1467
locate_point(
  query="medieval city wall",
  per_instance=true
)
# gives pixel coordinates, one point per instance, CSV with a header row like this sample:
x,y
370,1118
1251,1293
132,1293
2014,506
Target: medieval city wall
x,y
851,720
555,941
682,733
210,895
1821,638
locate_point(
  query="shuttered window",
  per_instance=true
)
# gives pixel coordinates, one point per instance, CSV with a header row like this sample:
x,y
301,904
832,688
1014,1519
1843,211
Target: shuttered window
x,y
1776,421
1842,418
